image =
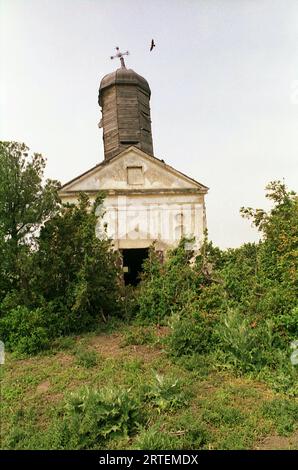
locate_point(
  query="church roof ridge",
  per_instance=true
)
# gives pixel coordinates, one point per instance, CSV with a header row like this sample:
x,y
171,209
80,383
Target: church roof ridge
x,y
107,162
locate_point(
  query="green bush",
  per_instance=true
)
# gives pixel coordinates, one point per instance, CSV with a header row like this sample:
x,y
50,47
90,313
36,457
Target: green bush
x,y
24,331
212,301
69,283
248,346
165,393
188,336
28,331
287,324
93,417
166,287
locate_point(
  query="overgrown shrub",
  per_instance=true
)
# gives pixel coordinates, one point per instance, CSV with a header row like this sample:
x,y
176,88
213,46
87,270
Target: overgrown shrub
x,y
76,267
248,345
188,336
69,283
24,331
166,287
287,324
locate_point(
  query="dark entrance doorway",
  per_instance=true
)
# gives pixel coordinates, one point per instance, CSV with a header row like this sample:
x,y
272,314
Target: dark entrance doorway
x,y
133,259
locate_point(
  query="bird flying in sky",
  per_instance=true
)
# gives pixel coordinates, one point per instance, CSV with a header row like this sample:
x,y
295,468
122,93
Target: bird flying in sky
x,y
152,45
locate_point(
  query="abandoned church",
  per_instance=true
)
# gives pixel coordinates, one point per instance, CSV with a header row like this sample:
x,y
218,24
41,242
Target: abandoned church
x,y
146,200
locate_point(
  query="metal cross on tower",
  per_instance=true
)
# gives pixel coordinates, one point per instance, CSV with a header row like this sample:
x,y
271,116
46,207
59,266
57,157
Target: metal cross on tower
x,y
120,56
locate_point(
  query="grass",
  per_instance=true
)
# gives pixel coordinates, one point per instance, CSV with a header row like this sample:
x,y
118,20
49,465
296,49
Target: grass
x,y
86,358
187,404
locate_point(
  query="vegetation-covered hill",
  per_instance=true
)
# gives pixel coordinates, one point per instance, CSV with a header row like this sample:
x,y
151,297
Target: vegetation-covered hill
x,y
144,401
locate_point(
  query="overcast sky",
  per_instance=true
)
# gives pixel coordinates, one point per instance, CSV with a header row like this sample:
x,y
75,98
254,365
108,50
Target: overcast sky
x,y
223,77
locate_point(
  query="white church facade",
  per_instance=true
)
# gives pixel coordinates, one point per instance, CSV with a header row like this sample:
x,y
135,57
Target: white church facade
x,y
146,200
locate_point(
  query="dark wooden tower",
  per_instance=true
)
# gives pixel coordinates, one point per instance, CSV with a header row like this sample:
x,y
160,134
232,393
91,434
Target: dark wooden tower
x,y
124,97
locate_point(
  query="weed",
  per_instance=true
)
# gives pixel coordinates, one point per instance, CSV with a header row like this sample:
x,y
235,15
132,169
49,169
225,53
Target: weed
x,y
86,358
188,336
165,394
246,347
94,417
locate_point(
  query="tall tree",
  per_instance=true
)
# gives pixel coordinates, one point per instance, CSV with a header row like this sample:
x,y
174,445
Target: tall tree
x,y
26,202
278,253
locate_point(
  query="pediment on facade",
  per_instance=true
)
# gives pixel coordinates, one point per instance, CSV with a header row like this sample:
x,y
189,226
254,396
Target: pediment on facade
x,y
132,170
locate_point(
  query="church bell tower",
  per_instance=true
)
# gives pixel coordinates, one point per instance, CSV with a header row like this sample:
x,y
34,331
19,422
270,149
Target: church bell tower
x,y
124,97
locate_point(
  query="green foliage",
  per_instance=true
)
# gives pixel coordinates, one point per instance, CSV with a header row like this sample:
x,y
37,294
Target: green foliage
x,y
76,268
188,433
284,414
247,344
25,203
65,343
21,433
239,276
154,439
241,303
92,418
278,252
199,364
219,415
165,394
24,331
73,284
166,287
221,411
282,376
86,358
194,434
211,302
287,324
188,336
57,276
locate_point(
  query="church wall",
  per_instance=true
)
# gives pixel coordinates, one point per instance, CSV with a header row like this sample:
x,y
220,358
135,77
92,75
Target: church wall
x,y
136,221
